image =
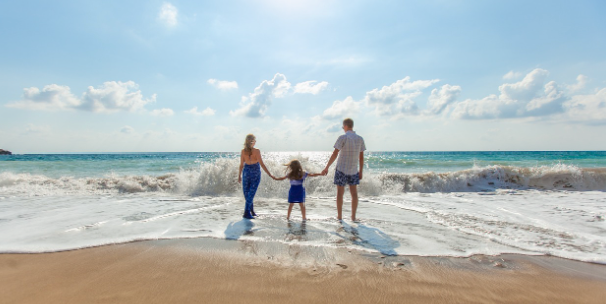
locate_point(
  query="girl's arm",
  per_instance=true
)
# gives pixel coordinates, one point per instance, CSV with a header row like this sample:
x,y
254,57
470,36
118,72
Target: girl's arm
x,y
314,174
241,167
263,164
280,178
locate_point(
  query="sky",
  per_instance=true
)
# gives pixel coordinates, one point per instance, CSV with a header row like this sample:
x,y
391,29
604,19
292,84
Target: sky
x,y
197,76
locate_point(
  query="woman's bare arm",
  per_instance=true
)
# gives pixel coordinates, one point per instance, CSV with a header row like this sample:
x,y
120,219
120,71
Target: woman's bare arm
x,y
241,167
263,164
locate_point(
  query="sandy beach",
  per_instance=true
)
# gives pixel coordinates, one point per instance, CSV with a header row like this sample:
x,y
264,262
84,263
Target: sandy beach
x,y
180,271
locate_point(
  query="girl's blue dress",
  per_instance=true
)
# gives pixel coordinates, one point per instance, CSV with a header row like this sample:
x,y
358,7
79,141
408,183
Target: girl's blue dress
x,y
297,191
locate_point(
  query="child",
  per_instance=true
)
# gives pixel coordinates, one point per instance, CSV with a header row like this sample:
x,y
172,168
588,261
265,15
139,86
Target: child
x,y
297,176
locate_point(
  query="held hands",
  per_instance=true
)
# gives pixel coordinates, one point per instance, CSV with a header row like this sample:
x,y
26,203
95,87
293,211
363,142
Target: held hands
x,y
325,171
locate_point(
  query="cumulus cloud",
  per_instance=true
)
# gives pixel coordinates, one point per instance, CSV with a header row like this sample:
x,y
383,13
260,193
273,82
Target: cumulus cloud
x,y
164,112
168,14
112,96
529,97
256,104
206,112
334,128
398,97
342,108
52,97
587,108
581,83
310,87
223,85
512,75
440,99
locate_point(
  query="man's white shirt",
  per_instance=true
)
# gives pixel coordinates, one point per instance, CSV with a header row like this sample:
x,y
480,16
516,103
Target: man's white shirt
x,y
349,145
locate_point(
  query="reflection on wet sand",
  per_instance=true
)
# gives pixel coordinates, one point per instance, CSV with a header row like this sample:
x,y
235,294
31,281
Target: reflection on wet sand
x,y
368,237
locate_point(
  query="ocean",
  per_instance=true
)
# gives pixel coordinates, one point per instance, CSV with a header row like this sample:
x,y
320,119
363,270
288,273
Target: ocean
x,y
411,203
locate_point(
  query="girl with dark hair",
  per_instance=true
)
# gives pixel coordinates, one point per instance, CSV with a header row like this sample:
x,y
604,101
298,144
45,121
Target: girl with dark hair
x,y
296,194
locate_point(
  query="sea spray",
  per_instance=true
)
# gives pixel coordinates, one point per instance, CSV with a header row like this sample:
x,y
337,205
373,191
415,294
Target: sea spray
x,y
220,178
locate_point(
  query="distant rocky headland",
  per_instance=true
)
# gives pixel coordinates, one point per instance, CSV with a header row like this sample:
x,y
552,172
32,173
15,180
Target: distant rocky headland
x,y
4,152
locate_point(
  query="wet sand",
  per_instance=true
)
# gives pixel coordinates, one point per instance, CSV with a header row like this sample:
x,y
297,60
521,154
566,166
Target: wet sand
x,y
181,271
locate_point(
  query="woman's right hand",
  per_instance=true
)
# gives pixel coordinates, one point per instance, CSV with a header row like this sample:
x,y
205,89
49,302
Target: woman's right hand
x,y
239,179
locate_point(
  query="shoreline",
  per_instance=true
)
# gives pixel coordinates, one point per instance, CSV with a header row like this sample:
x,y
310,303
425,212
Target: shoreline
x,y
188,270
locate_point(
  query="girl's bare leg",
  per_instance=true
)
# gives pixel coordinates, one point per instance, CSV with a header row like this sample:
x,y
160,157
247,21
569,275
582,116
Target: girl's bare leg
x,y
302,206
289,210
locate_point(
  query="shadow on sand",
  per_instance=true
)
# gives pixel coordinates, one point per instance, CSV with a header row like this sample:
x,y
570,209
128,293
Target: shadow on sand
x,y
369,237
237,229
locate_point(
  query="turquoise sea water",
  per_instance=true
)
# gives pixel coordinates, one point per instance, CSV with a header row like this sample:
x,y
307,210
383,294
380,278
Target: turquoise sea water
x,y
97,165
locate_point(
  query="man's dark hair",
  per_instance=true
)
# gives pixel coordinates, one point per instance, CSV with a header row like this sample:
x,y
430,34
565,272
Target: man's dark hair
x,y
348,122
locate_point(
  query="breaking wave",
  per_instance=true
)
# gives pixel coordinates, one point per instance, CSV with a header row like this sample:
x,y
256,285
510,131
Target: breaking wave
x,y
220,178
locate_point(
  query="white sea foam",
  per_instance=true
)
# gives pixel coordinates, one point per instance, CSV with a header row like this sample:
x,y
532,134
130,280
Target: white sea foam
x,y
219,178
558,210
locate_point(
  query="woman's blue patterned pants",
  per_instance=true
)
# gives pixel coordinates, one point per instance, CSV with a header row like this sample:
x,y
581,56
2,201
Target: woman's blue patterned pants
x,y
251,177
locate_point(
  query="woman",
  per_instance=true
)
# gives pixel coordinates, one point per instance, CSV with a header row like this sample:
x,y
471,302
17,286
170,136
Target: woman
x,y
250,161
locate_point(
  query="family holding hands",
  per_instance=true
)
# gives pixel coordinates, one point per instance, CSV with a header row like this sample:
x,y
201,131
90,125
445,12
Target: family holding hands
x,y
349,149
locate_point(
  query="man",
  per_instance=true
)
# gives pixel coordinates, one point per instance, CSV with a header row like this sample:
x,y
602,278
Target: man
x,y
350,150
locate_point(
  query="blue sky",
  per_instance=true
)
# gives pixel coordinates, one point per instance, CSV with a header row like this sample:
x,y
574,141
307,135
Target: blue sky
x,y
122,76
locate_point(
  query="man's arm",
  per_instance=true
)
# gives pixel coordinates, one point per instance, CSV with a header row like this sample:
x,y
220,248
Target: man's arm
x,y
334,155
361,163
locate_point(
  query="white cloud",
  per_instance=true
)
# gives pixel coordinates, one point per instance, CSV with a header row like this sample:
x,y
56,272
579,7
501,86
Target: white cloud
x,y
527,88
52,97
112,96
391,100
526,98
581,83
440,99
127,130
164,112
342,108
206,112
487,107
334,128
512,75
168,14
256,104
310,87
223,85
587,108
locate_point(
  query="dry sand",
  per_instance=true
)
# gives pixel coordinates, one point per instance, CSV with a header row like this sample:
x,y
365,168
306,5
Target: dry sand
x,y
157,272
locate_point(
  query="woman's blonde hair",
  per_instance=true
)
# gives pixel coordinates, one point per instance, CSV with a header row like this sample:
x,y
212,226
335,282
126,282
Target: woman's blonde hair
x,y
295,168
248,144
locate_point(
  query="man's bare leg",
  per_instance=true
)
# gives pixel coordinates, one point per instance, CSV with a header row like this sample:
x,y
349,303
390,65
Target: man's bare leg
x,y
340,192
353,189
